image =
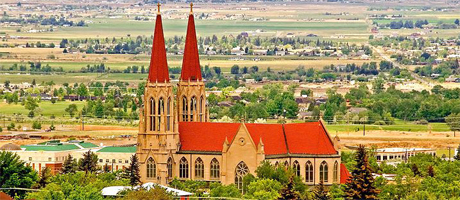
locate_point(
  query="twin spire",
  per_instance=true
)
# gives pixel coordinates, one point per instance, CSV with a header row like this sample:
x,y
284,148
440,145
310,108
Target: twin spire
x,y
191,62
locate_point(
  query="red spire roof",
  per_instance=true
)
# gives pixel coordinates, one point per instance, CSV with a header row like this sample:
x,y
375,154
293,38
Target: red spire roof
x,y
191,63
158,64
344,174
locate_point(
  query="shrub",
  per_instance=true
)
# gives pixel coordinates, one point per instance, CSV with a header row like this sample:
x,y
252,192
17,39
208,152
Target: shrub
x,y
36,125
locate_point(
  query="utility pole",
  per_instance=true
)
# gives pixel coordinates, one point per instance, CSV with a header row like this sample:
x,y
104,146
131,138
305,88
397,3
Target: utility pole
x,y
364,129
449,153
82,121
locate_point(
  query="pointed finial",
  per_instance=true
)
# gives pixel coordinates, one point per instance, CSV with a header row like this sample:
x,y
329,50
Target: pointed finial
x,y
191,7
159,5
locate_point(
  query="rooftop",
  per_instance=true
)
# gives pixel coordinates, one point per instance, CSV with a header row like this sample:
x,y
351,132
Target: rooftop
x,y
57,145
129,149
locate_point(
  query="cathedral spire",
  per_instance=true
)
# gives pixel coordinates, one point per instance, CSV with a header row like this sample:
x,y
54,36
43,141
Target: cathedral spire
x,y
158,64
191,63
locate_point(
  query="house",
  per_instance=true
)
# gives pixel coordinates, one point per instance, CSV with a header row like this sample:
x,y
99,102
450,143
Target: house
x,y
237,51
260,52
280,53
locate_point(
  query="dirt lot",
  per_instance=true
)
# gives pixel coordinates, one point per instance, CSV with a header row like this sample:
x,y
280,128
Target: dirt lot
x,y
384,139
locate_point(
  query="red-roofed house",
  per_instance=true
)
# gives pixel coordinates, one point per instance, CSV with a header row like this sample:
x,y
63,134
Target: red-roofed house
x,y
176,139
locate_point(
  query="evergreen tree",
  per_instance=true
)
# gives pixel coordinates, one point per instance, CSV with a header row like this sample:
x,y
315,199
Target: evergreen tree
x,y
361,182
415,170
134,173
431,171
89,162
320,192
45,176
289,192
69,166
106,168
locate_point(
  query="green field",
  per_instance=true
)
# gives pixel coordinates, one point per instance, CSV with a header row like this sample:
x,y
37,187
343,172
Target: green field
x,y
47,108
398,126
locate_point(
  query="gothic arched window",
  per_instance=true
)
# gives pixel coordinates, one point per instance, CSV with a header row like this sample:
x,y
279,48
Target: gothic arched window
x,y
192,107
335,176
152,114
296,167
240,171
168,113
199,168
161,110
170,168
151,168
215,169
184,109
323,172
309,172
201,108
183,168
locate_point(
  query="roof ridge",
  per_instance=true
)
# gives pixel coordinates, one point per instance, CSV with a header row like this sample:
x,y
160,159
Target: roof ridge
x,y
285,140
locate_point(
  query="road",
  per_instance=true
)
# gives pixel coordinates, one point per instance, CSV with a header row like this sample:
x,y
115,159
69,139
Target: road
x,y
395,64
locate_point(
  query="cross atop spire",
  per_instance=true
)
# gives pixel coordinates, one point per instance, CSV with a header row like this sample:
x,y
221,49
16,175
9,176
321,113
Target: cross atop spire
x,y
191,7
158,5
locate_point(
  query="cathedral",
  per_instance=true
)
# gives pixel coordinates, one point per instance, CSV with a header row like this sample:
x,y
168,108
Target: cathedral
x,y
177,139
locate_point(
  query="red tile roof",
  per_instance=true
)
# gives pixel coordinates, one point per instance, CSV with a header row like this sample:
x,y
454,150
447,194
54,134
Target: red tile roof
x,y
4,196
344,174
272,137
158,64
191,62
206,136
308,138
302,138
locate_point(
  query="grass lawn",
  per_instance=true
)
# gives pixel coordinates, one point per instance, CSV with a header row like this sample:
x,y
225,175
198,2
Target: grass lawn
x,y
398,126
48,109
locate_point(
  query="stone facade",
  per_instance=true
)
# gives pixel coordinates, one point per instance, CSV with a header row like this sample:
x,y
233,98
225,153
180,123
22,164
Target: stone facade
x,y
176,139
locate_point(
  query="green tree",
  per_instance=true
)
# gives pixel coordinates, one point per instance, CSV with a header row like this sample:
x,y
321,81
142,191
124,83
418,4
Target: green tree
x,y
134,173
361,184
320,192
15,174
31,104
44,178
235,69
263,189
378,86
71,109
36,125
431,171
77,185
219,190
415,170
453,121
289,192
82,90
70,165
89,162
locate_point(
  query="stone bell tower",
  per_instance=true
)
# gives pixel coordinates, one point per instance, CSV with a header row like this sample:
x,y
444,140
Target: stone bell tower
x,y
158,137
191,97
